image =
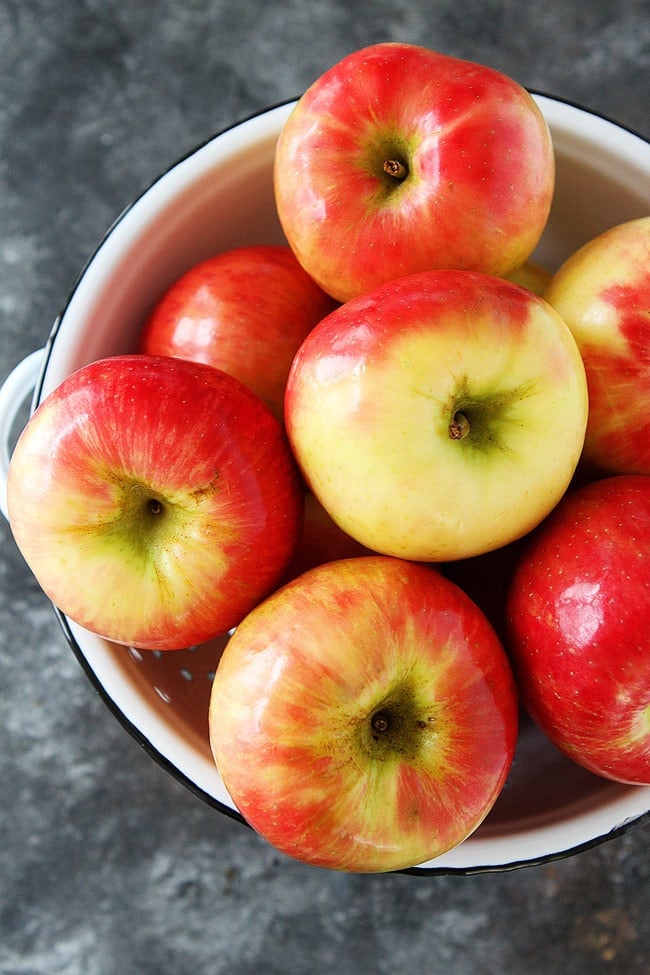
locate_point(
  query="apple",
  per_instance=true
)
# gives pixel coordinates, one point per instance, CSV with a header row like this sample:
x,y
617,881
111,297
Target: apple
x,y
486,580
245,311
603,293
533,276
155,500
364,716
321,540
399,159
578,615
440,415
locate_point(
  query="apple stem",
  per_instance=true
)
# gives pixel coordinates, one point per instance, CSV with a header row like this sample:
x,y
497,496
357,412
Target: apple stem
x,y
459,426
396,169
380,722
154,506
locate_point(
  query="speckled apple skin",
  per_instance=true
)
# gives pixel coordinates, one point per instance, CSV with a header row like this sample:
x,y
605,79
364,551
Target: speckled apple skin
x,y
578,619
603,293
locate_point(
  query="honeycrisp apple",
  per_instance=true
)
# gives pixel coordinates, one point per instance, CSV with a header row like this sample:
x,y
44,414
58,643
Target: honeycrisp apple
x,y
364,716
440,415
578,616
603,293
400,159
245,311
155,500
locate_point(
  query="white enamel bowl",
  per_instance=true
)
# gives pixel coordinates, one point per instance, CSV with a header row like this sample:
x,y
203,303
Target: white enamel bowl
x,y
220,196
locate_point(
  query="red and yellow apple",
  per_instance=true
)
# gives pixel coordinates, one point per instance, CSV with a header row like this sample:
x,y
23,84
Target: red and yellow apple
x,y
578,621
440,415
603,293
245,311
155,500
400,159
364,716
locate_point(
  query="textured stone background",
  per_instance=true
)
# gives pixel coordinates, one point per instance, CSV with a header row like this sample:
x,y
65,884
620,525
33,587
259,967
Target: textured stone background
x,y
108,866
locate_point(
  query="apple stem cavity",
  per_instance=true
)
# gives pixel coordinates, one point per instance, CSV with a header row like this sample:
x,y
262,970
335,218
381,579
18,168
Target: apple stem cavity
x,y
394,728
459,427
155,507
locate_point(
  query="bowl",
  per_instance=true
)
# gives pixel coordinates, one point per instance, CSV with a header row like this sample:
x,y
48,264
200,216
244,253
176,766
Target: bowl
x,y
218,196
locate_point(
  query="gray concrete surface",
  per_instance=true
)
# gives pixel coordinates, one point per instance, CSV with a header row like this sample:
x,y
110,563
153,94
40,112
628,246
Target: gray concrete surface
x,y
108,866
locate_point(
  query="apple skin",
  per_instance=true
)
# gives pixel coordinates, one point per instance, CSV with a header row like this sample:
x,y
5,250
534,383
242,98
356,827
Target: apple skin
x,y
321,540
603,293
373,392
245,311
155,500
479,161
578,613
533,276
301,685
486,580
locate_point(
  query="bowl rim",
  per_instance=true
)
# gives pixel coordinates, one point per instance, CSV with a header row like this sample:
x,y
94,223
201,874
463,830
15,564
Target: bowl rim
x,y
135,732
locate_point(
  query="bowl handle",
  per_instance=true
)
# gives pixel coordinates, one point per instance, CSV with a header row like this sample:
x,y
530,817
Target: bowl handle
x,y
14,391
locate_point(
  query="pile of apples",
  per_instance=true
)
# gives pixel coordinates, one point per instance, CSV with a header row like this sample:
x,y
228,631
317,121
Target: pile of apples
x,y
405,466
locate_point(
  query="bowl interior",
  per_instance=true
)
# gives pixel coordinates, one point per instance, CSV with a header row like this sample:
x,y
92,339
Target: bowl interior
x,y
221,196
